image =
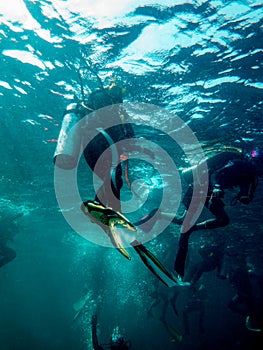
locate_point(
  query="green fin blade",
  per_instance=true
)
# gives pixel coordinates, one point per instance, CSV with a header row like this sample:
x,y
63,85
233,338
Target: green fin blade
x,y
154,265
116,241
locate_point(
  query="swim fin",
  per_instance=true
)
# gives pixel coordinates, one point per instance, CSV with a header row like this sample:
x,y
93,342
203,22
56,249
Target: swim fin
x,y
111,218
153,264
116,241
174,333
106,215
253,325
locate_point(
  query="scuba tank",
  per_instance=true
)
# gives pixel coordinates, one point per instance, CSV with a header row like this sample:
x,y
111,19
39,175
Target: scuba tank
x,y
69,141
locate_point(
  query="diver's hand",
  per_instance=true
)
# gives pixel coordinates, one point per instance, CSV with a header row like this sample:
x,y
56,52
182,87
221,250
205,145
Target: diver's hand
x,y
217,192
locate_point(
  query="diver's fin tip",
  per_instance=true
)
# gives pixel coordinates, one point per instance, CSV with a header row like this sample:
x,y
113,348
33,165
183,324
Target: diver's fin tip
x,y
253,327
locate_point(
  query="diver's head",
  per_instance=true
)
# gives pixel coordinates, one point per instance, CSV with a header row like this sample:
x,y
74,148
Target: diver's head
x,y
117,341
256,156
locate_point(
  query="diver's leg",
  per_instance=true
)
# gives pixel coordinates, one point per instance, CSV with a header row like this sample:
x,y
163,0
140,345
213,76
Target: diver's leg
x,y
186,320
222,267
116,185
153,305
196,272
107,196
221,218
242,302
110,191
178,219
180,259
164,310
173,301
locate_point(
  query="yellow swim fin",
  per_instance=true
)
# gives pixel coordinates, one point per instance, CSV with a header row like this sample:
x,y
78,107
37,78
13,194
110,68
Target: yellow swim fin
x,y
154,265
116,241
111,218
106,215
120,219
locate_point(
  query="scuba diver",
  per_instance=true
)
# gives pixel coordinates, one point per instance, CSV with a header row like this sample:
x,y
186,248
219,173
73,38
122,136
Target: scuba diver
x,y
195,304
8,230
164,298
226,171
84,126
160,296
212,258
117,341
248,287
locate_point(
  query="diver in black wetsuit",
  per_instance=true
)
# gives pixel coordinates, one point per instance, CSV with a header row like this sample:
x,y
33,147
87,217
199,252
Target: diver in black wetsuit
x,y
195,304
101,150
238,172
244,302
162,297
7,231
117,342
212,259
104,152
104,165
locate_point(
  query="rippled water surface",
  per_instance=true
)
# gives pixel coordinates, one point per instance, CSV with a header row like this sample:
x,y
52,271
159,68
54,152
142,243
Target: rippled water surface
x,y
202,61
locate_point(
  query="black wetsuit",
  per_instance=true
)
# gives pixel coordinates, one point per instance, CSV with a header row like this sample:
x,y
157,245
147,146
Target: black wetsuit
x,y
236,173
212,259
195,304
98,153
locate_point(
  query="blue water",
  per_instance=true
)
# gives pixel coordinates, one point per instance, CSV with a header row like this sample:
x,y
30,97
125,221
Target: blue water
x,y
200,60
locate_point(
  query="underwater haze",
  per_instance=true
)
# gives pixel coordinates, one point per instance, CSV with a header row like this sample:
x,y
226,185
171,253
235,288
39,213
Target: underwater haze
x,y
201,60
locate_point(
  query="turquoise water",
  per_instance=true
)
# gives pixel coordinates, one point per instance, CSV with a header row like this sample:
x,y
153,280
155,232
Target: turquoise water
x,y
200,60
